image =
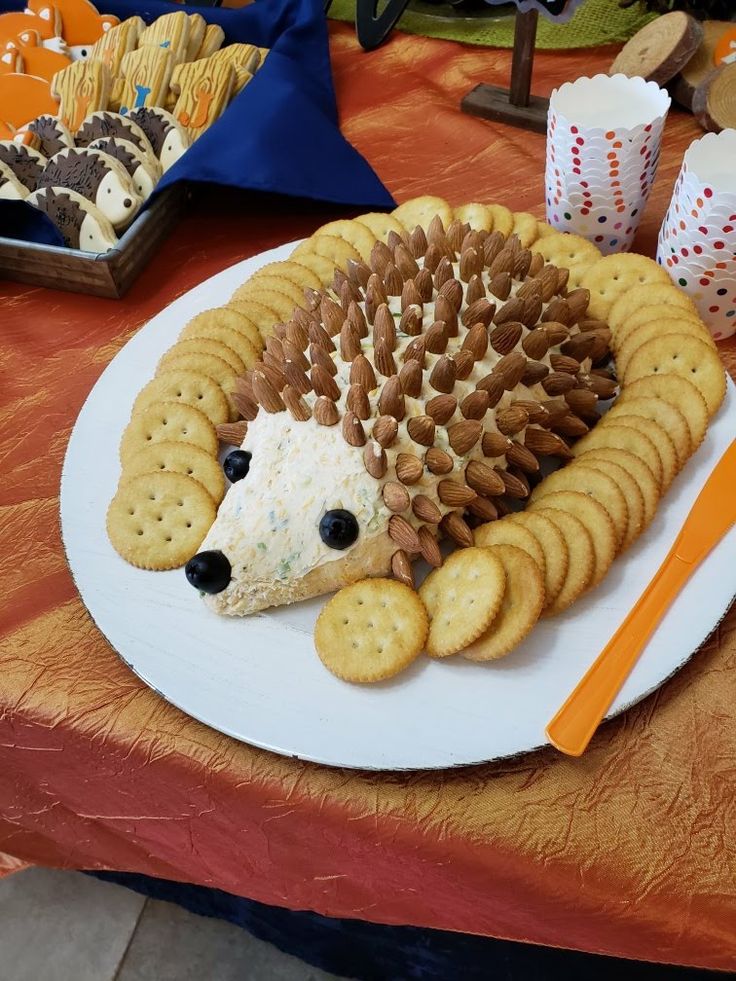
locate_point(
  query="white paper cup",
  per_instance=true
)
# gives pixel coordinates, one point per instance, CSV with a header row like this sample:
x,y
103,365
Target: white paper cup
x,y
697,240
603,143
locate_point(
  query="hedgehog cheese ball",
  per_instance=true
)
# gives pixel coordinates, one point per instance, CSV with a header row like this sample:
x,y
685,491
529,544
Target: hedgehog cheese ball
x,y
410,401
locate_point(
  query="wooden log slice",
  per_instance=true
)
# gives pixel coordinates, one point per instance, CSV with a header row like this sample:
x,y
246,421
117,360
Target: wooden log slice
x,y
714,102
661,49
702,62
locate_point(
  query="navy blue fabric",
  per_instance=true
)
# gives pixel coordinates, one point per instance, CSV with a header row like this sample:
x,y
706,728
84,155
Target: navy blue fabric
x,y
280,135
374,952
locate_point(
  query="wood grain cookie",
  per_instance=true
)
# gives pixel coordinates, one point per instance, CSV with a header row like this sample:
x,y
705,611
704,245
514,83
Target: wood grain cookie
x,y
462,597
371,630
158,520
523,599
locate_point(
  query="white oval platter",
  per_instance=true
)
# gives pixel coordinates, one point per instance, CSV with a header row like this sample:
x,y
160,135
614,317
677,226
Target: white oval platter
x,y
258,678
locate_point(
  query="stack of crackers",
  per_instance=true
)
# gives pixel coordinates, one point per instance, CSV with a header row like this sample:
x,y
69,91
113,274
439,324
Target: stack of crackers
x,y
485,598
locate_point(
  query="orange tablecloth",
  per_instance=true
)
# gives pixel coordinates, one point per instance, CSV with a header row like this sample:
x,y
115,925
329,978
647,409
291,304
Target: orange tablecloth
x,y
628,851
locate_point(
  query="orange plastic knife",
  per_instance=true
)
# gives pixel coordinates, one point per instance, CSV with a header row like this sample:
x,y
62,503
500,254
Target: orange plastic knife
x,y
712,515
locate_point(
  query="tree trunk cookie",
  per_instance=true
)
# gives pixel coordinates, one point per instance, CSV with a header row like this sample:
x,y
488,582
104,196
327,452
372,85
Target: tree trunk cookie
x,y
661,49
702,62
714,103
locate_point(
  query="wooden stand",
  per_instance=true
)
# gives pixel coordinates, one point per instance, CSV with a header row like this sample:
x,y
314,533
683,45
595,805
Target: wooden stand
x,y
515,105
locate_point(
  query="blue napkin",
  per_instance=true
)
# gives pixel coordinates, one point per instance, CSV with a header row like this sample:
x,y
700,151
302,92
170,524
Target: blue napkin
x,y
281,134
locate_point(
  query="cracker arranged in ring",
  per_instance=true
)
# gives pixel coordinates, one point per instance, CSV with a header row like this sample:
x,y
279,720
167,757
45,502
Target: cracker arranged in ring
x,y
184,458
462,597
630,490
263,317
571,252
595,518
503,219
421,211
354,233
183,385
648,486
544,230
647,295
209,330
208,364
678,391
666,414
624,438
506,532
681,354
158,520
281,304
205,345
295,272
371,630
319,265
168,421
523,599
581,563
279,284
478,216
659,437
525,228
381,223
655,311
331,247
592,482
232,319
650,331
614,275
556,556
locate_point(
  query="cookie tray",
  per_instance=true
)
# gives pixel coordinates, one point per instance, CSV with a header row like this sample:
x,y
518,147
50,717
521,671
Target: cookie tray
x,y
109,274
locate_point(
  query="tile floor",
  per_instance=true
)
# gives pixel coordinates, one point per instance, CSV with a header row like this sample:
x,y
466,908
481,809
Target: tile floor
x,y
65,926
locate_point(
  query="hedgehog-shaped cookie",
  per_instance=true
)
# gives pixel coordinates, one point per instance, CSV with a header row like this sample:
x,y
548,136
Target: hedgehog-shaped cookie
x,y
411,401
96,176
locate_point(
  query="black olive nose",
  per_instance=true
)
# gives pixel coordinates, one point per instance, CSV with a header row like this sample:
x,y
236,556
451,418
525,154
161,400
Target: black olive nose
x,y
127,203
210,572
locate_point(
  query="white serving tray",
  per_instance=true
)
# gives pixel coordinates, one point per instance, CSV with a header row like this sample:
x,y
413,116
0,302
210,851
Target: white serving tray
x,y
259,680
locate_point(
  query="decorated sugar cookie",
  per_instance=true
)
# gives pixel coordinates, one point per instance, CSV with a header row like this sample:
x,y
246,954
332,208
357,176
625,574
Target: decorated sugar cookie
x,y
170,31
37,59
82,88
46,22
82,225
197,29
144,170
11,61
167,137
52,134
116,43
97,177
11,188
22,97
100,124
204,89
81,23
26,163
144,78
214,38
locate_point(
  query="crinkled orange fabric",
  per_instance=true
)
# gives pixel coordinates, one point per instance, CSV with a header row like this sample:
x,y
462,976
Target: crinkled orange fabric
x,y
627,851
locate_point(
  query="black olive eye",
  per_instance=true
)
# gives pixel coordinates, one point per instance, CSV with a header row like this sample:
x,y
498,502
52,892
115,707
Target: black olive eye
x,y
208,571
236,465
338,528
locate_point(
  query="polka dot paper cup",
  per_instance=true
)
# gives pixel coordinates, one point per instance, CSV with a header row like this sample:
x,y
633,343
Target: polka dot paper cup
x,y
603,143
697,241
